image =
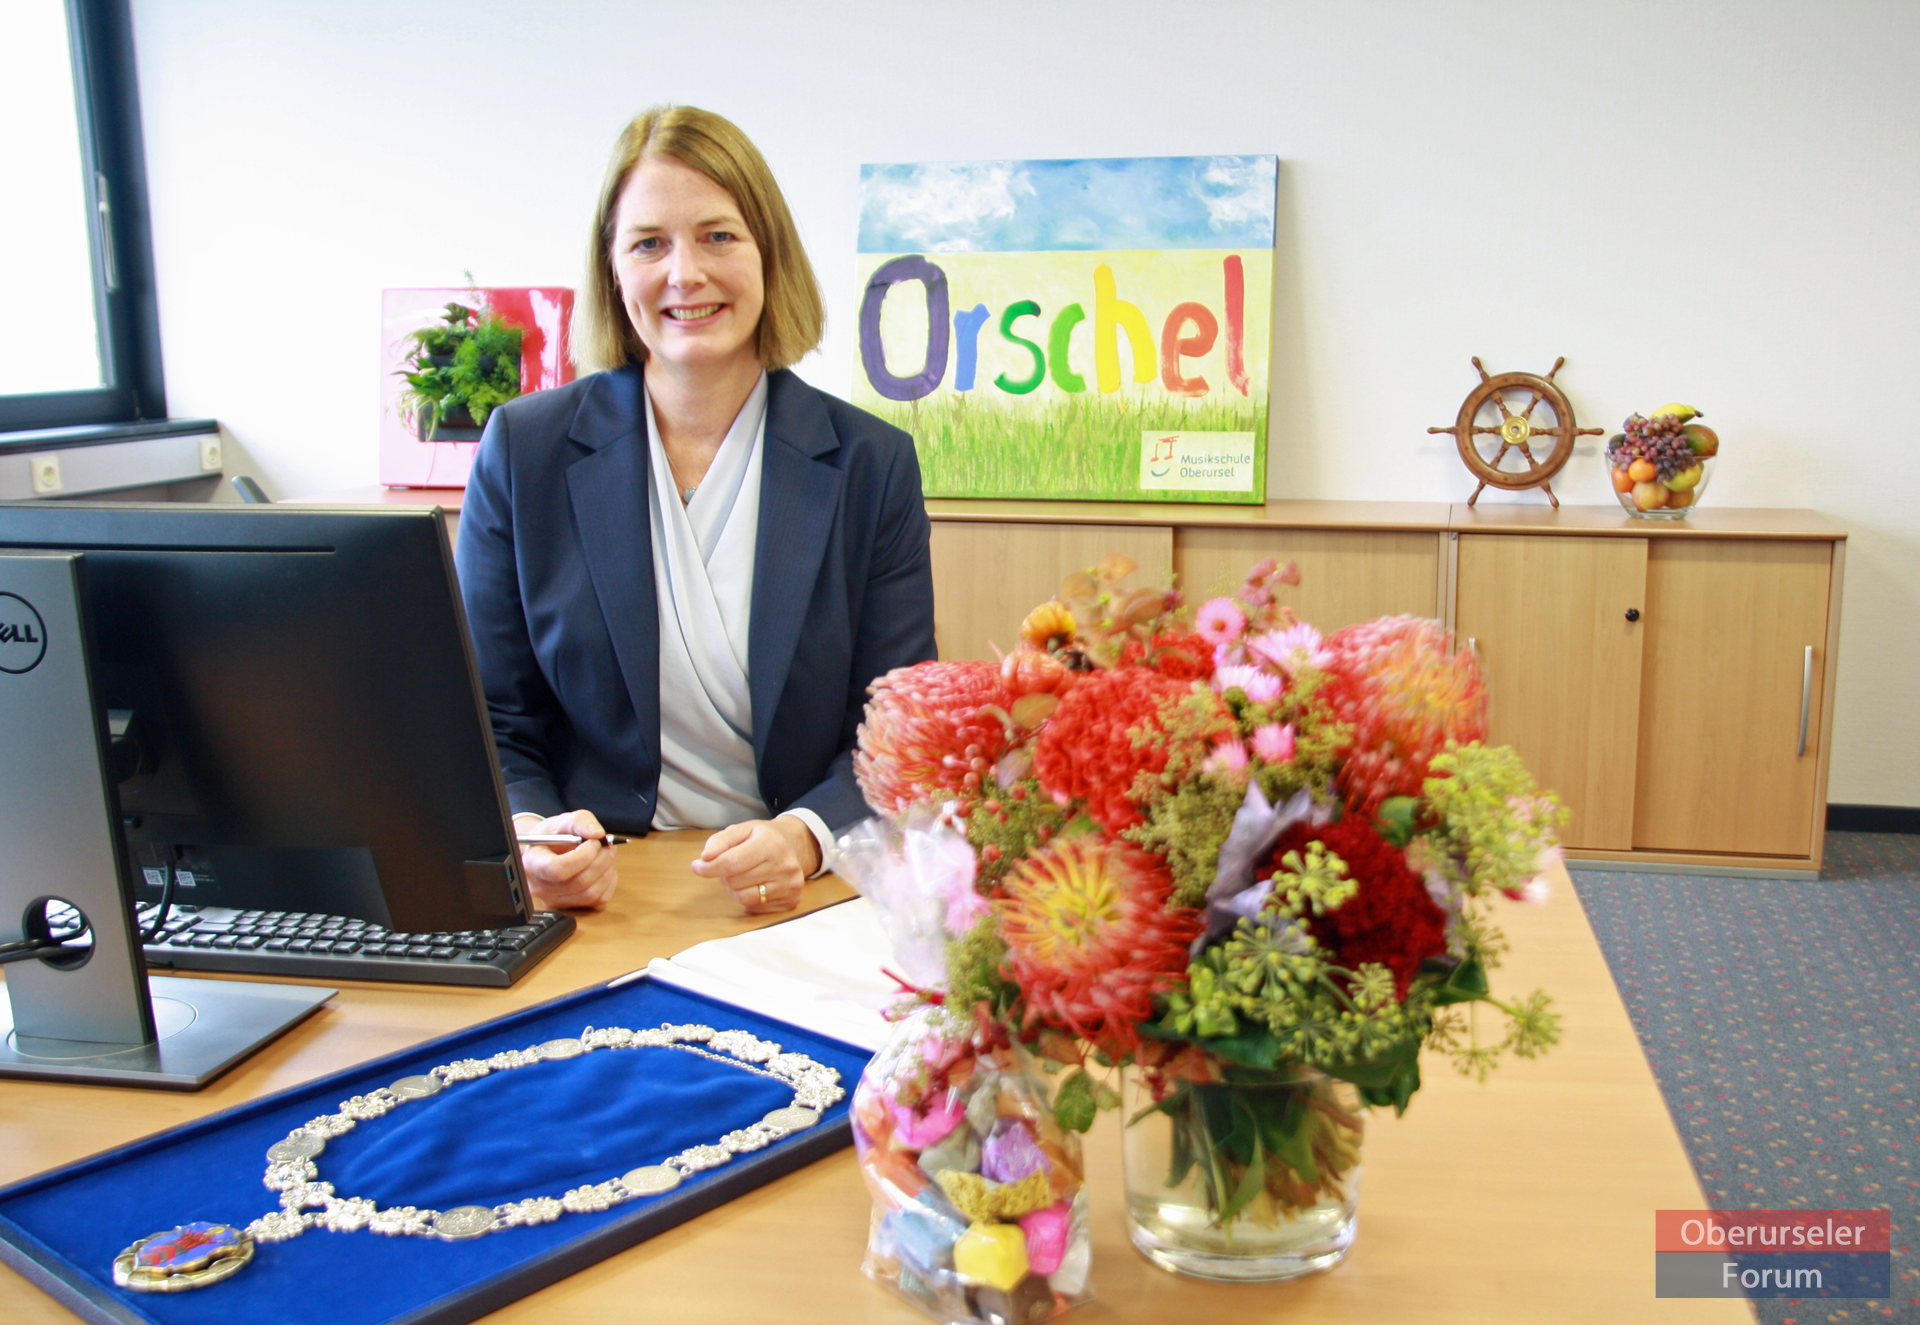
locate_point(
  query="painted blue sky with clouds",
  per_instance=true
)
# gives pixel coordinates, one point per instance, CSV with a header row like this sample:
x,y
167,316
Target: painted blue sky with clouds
x,y
1119,203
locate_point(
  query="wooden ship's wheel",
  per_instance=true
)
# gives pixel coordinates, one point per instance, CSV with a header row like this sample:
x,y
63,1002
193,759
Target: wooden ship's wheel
x,y
1514,466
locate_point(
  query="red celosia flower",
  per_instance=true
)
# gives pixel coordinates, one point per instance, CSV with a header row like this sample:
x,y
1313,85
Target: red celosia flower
x,y
1091,940
926,733
1391,920
1180,654
1087,748
1406,697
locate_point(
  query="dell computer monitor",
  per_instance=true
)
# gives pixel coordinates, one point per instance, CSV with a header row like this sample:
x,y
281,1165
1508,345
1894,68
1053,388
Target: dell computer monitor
x,y
297,722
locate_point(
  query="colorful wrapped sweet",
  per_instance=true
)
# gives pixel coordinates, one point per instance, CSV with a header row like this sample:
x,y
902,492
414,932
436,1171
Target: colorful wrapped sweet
x,y
979,1210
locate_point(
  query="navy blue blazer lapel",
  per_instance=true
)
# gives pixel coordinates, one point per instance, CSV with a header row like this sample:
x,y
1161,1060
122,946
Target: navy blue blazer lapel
x,y
799,502
612,518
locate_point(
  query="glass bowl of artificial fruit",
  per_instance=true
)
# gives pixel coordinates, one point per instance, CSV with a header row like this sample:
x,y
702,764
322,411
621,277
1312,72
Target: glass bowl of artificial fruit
x,y
1661,463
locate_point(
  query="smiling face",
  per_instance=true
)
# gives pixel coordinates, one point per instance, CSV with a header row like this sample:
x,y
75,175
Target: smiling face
x,y
689,273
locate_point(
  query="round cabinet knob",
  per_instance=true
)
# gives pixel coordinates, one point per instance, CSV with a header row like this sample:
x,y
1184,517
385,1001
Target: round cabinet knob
x,y
1633,614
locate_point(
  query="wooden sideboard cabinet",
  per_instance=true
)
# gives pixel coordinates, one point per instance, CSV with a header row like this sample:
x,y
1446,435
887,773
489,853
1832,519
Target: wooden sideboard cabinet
x,y
994,560
1673,681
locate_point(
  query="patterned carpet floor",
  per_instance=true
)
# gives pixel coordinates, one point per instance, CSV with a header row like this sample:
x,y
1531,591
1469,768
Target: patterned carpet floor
x,y
1782,1019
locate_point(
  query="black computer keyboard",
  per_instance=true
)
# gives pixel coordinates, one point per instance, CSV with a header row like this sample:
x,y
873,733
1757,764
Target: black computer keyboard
x,y
218,938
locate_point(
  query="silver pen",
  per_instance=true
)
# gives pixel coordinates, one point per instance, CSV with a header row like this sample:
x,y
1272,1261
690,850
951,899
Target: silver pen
x,y
566,840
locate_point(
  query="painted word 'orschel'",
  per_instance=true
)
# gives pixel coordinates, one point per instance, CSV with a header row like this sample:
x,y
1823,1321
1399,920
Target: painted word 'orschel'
x,y
1190,330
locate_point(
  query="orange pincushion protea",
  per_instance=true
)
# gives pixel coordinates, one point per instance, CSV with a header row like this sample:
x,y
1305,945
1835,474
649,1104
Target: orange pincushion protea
x,y
1406,697
1091,941
932,732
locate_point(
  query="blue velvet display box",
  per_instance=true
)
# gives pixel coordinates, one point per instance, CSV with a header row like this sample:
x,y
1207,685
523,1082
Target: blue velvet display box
x,y
532,1131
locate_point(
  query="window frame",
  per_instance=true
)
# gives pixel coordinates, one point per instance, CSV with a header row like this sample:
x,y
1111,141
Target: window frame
x,y
113,155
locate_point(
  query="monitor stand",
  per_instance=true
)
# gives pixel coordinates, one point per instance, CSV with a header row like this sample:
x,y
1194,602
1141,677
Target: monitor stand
x,y
201,1028
90,1013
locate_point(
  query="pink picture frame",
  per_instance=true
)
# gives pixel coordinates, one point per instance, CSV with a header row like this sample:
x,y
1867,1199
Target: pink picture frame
x,y
541,312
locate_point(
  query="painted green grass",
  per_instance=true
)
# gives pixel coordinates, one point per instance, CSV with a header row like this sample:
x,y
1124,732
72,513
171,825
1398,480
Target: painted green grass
x,y
1083,448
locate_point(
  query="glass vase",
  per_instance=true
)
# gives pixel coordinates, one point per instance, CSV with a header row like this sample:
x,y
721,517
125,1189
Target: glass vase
x,y
1255,1178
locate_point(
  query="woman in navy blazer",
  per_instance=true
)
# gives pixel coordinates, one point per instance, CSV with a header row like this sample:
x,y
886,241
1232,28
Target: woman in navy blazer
x,y
696,286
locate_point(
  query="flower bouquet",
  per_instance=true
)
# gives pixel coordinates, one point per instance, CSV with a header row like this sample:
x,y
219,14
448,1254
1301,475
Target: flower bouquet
x,y
1251,865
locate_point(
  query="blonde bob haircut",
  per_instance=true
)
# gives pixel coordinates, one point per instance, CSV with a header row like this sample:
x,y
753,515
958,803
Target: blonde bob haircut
x,y
793,316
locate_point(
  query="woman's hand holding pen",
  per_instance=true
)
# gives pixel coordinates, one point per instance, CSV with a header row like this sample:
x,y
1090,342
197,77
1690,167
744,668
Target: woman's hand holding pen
x,y
763,862
571,877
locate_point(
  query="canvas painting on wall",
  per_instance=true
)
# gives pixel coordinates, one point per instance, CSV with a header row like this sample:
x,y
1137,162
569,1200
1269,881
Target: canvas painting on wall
x,y
542,314
1090,330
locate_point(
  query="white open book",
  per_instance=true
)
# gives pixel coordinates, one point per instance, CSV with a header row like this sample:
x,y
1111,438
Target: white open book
x,y
820,971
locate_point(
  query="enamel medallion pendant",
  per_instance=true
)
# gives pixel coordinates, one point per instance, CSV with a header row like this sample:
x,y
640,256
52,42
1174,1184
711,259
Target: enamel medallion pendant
x,y
190,1256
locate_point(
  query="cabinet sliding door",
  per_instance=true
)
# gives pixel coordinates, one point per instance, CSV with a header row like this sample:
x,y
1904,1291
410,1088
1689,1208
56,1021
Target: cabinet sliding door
x,y
988,575
1548,616
1346,575
1736,655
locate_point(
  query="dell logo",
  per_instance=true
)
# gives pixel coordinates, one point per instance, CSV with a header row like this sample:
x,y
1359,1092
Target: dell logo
x,y
23,635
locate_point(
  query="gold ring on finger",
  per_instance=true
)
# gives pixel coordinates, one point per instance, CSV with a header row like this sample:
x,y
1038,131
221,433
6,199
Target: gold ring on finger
x,y
763,894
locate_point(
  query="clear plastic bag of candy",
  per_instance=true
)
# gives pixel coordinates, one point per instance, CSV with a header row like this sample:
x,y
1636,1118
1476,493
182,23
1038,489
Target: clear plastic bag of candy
x,y
980,1212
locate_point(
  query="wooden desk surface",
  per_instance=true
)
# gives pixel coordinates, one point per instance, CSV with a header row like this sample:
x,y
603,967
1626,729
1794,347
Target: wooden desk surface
x,y
1530,1199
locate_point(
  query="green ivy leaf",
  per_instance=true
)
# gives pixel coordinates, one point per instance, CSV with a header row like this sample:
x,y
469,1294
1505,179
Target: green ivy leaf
x,y
1381,1087
1074,1106
1467,982
1383,1070
1261,1049
1395,819
1251,1183
1406,1085
1296,1152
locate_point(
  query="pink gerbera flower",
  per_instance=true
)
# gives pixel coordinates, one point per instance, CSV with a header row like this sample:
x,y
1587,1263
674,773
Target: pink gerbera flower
x,y
1295,647
1273,744
1229,756
1258,684
1220,621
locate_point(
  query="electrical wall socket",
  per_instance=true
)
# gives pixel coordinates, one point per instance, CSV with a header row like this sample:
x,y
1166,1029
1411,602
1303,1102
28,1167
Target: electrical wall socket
x,y
46,473
210,454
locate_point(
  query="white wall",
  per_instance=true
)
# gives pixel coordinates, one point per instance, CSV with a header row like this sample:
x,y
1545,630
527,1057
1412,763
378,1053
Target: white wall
x,y
1711,202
